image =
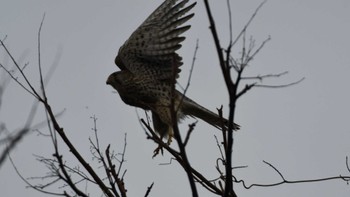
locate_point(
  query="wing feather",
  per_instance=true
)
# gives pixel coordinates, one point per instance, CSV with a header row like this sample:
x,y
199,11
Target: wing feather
x,y
151,49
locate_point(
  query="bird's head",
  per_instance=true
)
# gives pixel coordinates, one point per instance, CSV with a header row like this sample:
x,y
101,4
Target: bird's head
x,y
119,80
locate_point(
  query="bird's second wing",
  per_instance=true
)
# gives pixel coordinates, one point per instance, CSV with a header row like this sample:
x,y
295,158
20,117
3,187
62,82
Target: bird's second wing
x,y
151,49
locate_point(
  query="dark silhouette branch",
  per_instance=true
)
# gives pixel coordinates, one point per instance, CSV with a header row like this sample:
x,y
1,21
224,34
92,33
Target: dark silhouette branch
x,y
12,76
39,61
111,170
286,181
37,188
51,116
12,141
31,90
248,23
109,167
280,86
232,88
197,176
223,130
149,190
262,77
191,69
222,185
174,117
189,131
66,177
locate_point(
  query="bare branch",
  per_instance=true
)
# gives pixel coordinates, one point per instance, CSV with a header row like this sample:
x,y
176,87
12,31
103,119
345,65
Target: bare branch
x,y
67,178
122,155
262,77
190,129
39,61
251,57
177,135
232,88
19,136
273,167
12,143
244,29
111,169
149,190
219,147
29,184
198,176
285,181
15,78
230,21
279,86
32,90
191,69
223,130
246,88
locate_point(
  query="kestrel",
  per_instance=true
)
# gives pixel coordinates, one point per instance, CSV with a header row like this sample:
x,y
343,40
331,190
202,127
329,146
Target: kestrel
x,y
148,61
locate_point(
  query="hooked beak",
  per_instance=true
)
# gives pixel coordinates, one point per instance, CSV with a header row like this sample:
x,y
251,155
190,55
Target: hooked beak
x,y
109,80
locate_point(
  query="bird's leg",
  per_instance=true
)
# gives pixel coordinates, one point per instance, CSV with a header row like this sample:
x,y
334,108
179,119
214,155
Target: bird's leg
x,y
170,136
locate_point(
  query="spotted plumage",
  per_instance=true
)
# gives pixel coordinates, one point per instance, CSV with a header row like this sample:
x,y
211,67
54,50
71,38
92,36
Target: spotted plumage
x,y
150,65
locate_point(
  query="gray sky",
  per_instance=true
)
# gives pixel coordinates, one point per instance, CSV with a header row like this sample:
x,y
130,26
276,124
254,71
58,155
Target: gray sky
x,y
302,130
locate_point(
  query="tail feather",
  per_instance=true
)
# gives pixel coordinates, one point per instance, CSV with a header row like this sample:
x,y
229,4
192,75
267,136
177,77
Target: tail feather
x,y
191,108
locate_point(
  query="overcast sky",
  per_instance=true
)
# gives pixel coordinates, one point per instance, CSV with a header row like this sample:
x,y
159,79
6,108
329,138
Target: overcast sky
x,y
302,130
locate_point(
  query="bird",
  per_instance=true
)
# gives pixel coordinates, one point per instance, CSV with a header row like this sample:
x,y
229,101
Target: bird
x,y
149,66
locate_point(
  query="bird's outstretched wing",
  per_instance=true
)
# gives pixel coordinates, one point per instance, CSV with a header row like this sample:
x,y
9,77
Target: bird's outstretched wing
x,y
150,51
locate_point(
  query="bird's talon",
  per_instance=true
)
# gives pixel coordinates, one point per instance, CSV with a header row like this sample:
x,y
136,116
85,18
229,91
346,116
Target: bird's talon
x,y
156,151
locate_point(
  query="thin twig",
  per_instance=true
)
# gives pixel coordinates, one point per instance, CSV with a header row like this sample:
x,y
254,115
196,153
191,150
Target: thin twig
x,y
279,86
111,169
190,129
347,178
219,147
232,88
19,136
230,20
198,176
248,23
28,183
39,60
273,167
15,78
67,178
174,118
62,134
223,130
149,190
32,90
285,181
262,77
123,155
251,57
190,74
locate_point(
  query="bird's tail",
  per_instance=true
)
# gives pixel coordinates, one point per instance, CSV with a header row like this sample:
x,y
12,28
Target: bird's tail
x,y
191,108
